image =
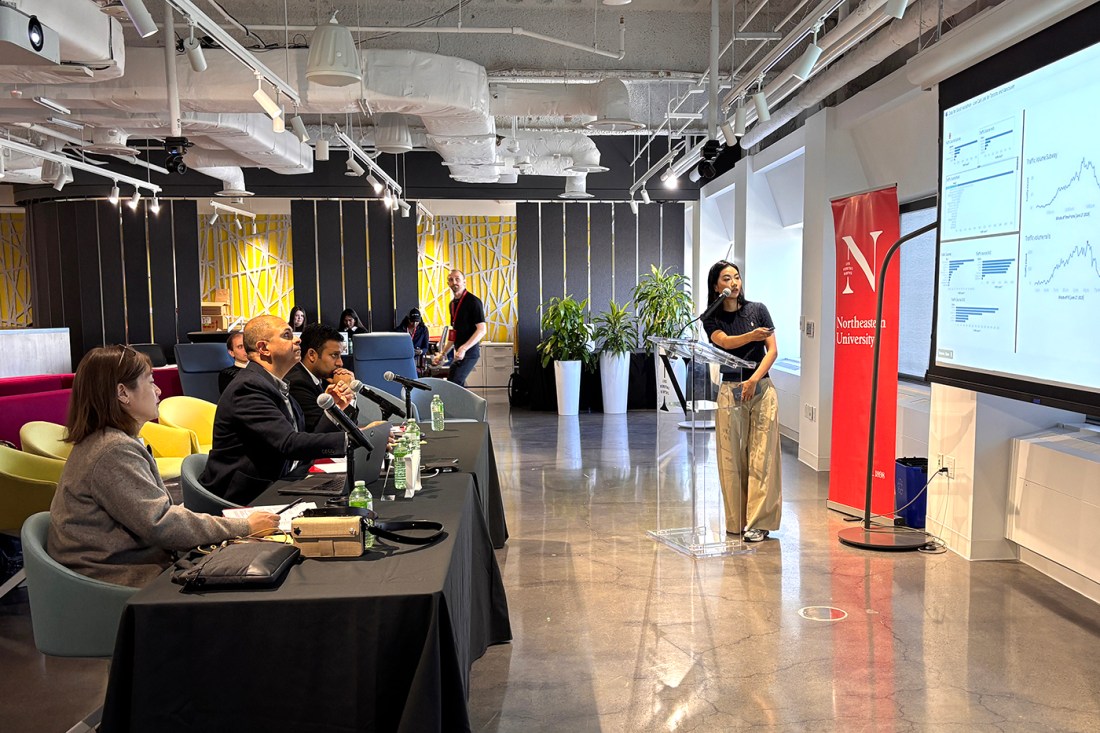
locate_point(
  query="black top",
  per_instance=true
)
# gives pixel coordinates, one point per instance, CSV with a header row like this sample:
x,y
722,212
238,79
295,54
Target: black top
x,y
751,315
256,439
225,376
420,335
470,312
305,391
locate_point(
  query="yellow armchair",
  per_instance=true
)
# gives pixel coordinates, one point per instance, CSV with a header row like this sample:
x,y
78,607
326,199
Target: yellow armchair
x,y
45,439
170,446
27,485
190,413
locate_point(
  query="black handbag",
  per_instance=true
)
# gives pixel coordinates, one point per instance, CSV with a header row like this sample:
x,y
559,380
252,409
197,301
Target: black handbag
x,y
238,565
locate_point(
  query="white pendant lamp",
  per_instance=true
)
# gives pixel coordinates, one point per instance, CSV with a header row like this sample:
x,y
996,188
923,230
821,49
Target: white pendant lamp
x,y
333,57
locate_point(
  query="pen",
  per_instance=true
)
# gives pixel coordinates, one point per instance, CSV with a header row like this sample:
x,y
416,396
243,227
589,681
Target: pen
x,y
299,500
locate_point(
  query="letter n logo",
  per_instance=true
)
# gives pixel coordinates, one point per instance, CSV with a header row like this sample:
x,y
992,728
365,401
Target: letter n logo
x,y
854,252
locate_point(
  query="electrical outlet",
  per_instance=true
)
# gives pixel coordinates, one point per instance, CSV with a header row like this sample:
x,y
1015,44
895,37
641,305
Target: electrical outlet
x,y
948,462
809,329
810,412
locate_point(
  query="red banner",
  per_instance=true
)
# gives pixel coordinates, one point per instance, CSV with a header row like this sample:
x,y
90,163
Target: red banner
x,y
866,226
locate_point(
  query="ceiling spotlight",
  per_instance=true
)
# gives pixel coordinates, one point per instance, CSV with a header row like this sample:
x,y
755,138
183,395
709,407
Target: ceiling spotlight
x,y
405,208
374,182
729,135
740,119
805,64
761,101
354,169
273,110
633,206
645,197
113,198
134,200
670,179
139,16
65,175
895,8
254,229
299,128
278,125
694,175
154,205
237,221
320,149
333,57
193,48
387,199
213,218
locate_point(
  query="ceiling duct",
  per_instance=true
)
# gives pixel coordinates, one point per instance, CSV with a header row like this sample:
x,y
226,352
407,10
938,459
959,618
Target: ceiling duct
x,y
391,134
575,188
607,103
110,141
333,57
612,102
232,178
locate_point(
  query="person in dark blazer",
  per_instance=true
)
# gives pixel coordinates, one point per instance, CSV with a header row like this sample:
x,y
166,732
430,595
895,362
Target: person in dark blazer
x,y
259,431
235,346
321,369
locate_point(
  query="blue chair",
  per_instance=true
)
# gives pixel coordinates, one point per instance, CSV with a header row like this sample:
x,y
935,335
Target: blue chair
x,y
72,615
199,365
459,403
378,353
195,496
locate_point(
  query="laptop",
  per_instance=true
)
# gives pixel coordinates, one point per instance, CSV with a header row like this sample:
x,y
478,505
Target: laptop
x,y
367,469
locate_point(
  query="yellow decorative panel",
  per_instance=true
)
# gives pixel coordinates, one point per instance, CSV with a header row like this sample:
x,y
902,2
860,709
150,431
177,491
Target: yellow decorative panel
x,y
256,268
15,272
484,248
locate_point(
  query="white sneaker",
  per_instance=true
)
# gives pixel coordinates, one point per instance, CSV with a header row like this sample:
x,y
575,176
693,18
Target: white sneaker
x,y
756,535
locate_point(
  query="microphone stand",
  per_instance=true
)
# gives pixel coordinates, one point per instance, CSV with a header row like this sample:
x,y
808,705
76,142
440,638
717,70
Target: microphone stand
x,y
350,482
408,401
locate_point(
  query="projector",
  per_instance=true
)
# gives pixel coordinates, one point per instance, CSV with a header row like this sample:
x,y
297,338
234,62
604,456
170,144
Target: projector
x,y
24,41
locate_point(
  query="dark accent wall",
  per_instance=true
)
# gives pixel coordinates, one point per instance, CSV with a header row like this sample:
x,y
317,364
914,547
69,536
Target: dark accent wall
x,y
587,250
354,254
113,274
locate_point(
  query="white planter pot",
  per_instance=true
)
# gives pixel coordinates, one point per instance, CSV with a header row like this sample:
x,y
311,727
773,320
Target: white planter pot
x,y
615,380
666,395
567,380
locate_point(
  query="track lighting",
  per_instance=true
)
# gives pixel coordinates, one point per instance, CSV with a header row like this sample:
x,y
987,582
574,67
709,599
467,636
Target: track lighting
x,y
113,198
694,175
273,110
237,221
277,124
404,206
761,101
374,182
193,49
645,197
670,179
52,105
213,218
387,199
139,16
154,205
354,169
633,206
320,150
299,128
729,135
895,8
805,64
740,119
255,230
64,175
134,200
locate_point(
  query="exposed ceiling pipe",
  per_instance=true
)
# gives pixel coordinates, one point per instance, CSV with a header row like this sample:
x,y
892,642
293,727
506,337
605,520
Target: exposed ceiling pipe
x,y
232,177
856,62
712,87
170,72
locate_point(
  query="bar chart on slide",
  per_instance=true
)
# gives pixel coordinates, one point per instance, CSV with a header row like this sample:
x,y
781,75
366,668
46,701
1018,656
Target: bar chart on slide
x,y
981,180
977,307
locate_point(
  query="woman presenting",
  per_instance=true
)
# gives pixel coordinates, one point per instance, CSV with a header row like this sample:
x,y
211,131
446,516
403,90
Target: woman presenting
x,y
111,518
747,424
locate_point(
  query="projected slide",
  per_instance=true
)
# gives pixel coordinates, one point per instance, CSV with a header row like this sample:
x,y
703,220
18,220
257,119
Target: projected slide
x,y
1018,290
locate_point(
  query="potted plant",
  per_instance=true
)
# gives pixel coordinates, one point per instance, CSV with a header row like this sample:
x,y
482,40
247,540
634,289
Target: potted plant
x,y
664,307
569,345
616,334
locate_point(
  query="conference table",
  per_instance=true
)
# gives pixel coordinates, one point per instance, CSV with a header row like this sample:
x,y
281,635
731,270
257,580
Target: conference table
x,y
383,642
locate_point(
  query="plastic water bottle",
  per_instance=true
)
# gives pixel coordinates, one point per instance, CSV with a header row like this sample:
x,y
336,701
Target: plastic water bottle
x,y
400,479
437,414
362,498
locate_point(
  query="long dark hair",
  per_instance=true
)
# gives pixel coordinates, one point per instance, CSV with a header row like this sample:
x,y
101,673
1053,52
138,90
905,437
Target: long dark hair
x,y
305,317
712,282
350,312
93,404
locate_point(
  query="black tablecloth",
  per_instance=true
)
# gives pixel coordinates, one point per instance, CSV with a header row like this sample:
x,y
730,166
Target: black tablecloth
x,y
472,444
379,643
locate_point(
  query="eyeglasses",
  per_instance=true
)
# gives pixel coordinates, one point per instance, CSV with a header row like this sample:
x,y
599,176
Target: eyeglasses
x,y
122,353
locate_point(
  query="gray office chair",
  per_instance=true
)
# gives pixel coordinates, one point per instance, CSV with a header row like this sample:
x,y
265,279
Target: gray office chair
x,y
199,365
459,403
195,496
369,411
72,615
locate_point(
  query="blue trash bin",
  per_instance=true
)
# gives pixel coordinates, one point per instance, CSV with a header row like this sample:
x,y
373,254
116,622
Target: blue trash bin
x,y
910,476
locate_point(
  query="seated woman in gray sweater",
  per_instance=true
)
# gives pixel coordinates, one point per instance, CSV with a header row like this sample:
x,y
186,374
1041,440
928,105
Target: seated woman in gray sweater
x,y
111,518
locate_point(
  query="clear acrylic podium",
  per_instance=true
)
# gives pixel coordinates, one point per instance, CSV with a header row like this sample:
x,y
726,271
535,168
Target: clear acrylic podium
x,y
690,514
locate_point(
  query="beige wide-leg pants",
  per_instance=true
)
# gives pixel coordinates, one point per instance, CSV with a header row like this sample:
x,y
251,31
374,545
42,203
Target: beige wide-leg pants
x,y
748,457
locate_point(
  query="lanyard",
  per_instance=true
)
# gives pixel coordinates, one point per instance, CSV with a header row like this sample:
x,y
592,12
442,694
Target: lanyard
x,y
455,307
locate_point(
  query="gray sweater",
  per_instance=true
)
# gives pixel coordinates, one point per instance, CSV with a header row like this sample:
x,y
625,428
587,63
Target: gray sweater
x,y
112,519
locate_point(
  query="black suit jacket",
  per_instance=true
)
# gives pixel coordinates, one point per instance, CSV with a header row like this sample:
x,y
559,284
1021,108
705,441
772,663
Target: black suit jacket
x,y
225,376
255,440
305,391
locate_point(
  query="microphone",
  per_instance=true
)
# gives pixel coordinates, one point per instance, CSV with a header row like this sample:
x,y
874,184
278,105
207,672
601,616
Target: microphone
x,y
328,404
726,292
370,394
405,381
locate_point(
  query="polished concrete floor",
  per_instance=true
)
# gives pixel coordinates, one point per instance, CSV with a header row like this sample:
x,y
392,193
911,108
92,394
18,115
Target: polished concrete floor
x,y
614,632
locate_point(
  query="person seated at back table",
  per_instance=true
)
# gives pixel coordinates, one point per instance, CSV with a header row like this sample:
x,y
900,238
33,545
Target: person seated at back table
x,y
413,324
235,346
258,428
111,517
321,369
350,323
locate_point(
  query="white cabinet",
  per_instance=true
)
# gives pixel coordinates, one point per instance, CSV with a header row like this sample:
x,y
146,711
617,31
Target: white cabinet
x,y
494,367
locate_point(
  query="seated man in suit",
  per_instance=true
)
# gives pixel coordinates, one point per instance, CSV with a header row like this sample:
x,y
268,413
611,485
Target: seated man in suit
x,y
235,346
258,428
320,369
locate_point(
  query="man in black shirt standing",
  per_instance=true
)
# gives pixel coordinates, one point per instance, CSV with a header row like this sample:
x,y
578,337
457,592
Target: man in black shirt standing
x,y
468,327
